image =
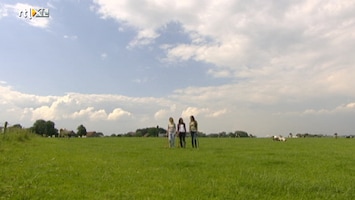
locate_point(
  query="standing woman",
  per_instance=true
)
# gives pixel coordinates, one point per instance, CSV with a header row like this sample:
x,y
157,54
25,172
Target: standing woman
x,y
182,132
171,132
193,131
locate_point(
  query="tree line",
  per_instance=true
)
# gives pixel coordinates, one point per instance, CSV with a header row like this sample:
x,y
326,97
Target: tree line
x,y
47,129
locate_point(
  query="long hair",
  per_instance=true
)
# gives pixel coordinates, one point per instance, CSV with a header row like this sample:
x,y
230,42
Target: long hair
x,y
181,121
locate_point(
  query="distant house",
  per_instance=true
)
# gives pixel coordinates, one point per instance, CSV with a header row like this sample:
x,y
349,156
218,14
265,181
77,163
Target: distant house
x,y
66,133
94,134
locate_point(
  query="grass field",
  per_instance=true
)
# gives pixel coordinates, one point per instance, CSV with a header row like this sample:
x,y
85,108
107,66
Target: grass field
x,y
144,168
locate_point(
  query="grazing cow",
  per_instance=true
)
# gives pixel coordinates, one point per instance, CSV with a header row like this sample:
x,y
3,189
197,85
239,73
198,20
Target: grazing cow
x,y
278,138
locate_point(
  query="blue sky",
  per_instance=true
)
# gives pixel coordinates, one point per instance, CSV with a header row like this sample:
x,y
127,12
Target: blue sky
x,y
267,68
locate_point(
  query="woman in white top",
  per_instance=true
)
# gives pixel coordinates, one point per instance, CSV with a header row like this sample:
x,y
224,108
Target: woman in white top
x,y
171,132
182,133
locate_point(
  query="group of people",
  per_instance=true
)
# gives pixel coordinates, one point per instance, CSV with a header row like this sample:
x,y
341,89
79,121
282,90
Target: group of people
x,y
180,130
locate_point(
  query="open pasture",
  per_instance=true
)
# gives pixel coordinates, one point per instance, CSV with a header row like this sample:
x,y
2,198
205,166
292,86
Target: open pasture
x,y
144,168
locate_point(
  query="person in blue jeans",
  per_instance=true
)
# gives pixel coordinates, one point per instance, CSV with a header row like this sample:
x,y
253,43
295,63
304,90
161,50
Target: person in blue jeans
x,y
193,131
171,132
181,127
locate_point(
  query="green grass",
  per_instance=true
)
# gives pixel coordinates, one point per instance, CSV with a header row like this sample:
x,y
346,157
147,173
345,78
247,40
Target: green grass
x,y
144,168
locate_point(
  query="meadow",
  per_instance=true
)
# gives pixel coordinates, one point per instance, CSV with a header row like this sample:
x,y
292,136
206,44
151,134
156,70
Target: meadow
x,y
32,167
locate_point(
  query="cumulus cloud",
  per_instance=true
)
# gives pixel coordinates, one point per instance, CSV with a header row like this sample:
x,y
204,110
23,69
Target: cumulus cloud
x,y
73,109
165,113
90,113
271,45
117,114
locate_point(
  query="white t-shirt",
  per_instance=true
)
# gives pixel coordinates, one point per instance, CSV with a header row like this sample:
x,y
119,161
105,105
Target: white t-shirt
x,y
182,128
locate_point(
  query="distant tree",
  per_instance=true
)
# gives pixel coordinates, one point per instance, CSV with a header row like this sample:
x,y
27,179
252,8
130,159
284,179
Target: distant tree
x,y
149,132
201,134
152,132
81,131
222,134
129,134
241,134
44,128
17,126
99,134
139,133
231,134
213,135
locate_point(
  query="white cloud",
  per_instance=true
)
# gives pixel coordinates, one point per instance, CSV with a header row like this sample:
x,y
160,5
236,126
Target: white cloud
x,y
74,108
144,37
89,114
70,37
218,113
344,108
83,113
45,112
117,114
193,111
204,112
98,115
292,42
350,105
161,114
214,108
165,113
220,73
3,11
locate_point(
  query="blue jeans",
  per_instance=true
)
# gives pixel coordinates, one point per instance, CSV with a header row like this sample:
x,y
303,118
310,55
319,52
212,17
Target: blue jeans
x,y
194,139
182,136
171,140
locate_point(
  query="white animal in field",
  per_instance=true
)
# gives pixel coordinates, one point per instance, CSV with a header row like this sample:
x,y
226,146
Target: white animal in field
x,y
279,138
